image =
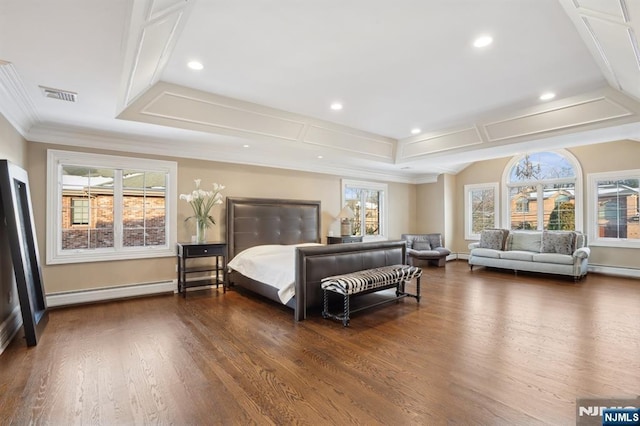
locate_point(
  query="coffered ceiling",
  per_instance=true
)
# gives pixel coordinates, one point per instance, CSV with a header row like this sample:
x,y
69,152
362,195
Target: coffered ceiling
x,y
272,68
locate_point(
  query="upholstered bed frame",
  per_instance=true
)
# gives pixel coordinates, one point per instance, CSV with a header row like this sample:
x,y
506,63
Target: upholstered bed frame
x,y
259,221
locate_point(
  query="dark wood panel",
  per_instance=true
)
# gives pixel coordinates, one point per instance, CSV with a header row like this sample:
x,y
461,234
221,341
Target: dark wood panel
x,y
482,347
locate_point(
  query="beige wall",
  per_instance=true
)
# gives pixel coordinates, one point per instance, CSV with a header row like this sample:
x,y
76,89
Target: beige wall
x,y
606,157
430,207
489,171
436,207
240,181
12,148
450,205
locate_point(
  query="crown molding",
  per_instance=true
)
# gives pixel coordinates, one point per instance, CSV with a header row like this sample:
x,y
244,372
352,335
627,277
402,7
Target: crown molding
x,y
15,103
569,114
438,141
91,139
604,109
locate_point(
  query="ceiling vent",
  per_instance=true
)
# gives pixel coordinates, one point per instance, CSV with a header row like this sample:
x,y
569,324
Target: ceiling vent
x,y
62,95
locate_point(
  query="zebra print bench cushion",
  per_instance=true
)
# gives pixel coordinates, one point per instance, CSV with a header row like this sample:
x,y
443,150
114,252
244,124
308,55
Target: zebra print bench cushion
x,y
368,279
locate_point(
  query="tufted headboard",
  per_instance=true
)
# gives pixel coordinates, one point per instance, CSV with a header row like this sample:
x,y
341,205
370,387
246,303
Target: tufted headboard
x,y
258,221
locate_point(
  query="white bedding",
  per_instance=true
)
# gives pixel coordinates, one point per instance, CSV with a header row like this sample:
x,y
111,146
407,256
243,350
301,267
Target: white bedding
x,y
270,264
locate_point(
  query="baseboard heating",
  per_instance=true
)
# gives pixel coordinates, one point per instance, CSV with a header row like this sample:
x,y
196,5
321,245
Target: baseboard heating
x,y
110,293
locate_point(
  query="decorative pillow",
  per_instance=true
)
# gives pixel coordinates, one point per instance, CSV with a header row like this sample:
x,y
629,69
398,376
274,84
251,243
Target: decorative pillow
x,y
493,239
526,241
558,242
421,245
435,240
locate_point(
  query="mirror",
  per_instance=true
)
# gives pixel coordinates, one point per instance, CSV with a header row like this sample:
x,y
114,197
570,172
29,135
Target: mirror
x,y
18,217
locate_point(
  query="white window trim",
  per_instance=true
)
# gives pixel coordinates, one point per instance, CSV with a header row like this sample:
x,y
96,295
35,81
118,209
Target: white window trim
x,y
384,188
468,229
55,255
592,213
578,195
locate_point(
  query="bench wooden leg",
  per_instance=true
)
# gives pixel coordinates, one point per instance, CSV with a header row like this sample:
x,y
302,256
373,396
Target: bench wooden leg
x,y
400,290
345,315
325,305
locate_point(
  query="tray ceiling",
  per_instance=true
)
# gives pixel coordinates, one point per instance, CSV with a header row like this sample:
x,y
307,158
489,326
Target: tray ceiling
x,y
271,70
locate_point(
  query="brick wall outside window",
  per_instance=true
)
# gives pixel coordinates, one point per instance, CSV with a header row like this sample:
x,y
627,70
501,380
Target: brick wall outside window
x,y
99,232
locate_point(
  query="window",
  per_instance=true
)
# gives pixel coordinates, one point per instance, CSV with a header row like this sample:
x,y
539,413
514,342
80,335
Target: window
x,y
80,211
614,209
368,201
522,204
543,191
102,207
481,209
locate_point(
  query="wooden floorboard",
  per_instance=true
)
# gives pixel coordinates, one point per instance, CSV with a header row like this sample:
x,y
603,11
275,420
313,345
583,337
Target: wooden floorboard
x,y
482,347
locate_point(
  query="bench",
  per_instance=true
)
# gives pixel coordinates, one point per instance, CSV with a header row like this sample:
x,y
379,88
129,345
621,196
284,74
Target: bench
x,y
369,281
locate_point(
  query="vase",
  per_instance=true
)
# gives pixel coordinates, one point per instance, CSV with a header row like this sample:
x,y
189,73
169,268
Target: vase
x,y
201,231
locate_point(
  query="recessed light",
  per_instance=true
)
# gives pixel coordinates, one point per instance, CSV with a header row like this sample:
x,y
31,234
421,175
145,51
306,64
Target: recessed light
x,y
336,106
245,146
415,131
195,65
547,96
483,41
320,157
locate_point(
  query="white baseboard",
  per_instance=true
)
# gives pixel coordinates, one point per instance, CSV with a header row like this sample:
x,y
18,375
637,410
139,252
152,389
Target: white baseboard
x,y
9,328
103,294
614,270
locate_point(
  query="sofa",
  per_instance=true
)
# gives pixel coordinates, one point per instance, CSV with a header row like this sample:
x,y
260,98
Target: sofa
x,y
552,252
425,249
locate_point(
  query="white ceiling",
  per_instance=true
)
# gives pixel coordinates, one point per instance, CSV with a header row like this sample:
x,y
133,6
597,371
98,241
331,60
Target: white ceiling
x,y
273,67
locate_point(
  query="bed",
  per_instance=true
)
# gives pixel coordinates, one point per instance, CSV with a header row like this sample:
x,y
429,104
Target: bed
x,y
253,222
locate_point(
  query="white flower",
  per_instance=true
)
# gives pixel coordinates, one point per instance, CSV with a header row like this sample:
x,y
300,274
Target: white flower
x,y
202,201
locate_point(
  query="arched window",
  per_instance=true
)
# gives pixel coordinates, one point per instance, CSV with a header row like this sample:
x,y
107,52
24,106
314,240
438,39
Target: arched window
x,y
543,190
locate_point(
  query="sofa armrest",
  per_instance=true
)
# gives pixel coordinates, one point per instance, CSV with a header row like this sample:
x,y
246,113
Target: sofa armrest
x,y
582,253
473,245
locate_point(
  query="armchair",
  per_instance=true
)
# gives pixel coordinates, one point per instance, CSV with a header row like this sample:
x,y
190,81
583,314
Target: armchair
x,y
425,249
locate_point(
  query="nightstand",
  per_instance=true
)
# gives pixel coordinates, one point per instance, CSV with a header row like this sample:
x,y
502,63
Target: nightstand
x,y
216,251
344,239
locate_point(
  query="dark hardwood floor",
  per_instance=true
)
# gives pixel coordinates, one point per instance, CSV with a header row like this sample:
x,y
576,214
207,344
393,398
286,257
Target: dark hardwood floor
x,y
483,347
